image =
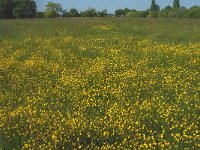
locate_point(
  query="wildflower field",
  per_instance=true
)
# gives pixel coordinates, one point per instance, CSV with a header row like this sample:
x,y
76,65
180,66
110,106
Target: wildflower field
x,y
112,83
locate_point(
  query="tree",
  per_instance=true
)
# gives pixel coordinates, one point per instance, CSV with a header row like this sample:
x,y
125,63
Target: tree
x,y
154,6
39,14
91,12
65,13
6,7
73,13
176,4
126,10
194,12
102,13
139,14
153,14
120,12
179,13
52,10
24,9
168,8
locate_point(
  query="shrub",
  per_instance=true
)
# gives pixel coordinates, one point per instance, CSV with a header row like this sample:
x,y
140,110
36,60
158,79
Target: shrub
x,y
194,12
153,14
164,13
120,12
91,12
131,14
52,10
102,13
73,13
137,14
50,14
178,13
39,14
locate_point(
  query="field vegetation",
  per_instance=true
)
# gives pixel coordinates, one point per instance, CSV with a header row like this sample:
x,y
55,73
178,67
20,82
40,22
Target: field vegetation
x,y
99,83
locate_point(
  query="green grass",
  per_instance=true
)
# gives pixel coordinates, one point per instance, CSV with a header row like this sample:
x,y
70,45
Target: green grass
x,y
162,30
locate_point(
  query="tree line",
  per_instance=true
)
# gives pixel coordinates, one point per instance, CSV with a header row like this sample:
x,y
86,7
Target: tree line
x,y
55,10
28,9
17,9
174,11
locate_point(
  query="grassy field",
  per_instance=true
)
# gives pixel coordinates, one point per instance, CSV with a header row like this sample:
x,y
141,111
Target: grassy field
x,y
92,83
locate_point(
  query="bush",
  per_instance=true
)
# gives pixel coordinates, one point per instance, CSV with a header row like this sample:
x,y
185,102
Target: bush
x,y
178,13
73,13
194,12
91,12
39,14
50,14
102,13
120,12
137,14
164,13
153,14
131,14
142,13
53,10
24,9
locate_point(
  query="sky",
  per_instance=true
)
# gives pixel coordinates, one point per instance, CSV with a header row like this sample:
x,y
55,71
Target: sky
x,y
112,5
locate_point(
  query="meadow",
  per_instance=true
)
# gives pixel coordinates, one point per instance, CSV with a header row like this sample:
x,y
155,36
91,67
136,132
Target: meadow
x,y
93,83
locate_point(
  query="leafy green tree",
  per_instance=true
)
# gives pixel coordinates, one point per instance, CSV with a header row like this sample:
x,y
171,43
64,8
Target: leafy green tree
x,y
50,14
176,4
6,7
53,10
154,6
126,10
91,12
194,12
39,14
102,13
24,9
168,8
120,12
179,13
65,13
139,14
153,14
73,13
165,12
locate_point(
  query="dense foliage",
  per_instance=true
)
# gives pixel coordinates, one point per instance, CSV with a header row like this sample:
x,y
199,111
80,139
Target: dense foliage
x,y
39,14
24,9
17,9
6,7
52,10
176,4
172,12
91,12
73,13
154,6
